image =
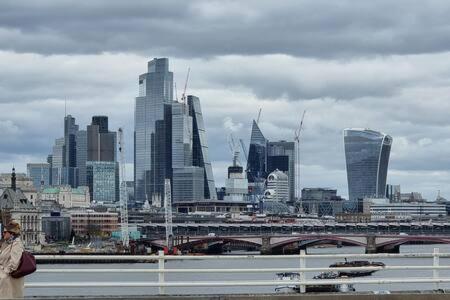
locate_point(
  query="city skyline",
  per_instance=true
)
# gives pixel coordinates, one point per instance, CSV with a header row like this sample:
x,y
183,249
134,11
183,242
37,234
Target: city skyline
x,y
389,84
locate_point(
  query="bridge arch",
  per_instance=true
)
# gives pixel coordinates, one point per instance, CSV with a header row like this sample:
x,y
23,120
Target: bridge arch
x,y
413,239
310,241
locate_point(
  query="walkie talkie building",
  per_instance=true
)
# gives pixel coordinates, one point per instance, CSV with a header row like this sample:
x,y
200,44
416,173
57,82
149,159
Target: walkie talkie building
x,y
367,158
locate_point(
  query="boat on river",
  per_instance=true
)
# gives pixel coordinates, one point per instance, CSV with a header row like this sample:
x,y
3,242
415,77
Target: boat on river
x,y
288,285
355,264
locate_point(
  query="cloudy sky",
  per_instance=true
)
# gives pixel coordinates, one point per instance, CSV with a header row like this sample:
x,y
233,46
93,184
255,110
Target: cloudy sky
x,y
383,65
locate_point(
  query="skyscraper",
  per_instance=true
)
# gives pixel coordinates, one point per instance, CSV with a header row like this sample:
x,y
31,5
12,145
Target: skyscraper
x,y
70,170
81,147
103,180
102,171
58,155
367,158
200,157
281,155
40,174
256,162
101,143
152,132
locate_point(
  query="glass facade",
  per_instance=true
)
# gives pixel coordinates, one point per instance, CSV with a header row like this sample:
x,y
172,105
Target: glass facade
x,y
57,161
256,163
281,156
70,171
188,184
101,143
152,130
200,156
103,180
40,174
81,139
367,158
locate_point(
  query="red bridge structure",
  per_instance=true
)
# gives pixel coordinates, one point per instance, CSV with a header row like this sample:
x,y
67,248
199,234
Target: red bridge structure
x,y
272,244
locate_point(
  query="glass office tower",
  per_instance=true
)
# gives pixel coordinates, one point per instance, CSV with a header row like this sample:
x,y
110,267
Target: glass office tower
x,y
281,156
152,132
367,158
256,162
103,181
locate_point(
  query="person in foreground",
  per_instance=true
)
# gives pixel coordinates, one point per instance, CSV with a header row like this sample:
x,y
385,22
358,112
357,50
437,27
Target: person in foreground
x,y
10,253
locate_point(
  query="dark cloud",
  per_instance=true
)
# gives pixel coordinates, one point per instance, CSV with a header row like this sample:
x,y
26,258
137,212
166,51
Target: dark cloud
x,y
211,28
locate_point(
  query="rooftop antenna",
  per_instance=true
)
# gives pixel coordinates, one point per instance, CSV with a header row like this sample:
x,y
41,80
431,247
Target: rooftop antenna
x,y
259,115
183,96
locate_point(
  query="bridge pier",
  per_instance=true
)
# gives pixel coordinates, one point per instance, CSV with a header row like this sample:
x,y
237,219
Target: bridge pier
x,y
371,246
265,245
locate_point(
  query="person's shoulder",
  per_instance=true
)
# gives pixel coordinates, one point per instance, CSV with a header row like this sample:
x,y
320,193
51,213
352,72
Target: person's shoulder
x,y
18,242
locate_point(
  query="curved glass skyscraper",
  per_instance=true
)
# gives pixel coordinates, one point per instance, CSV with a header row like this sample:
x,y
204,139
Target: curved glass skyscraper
x,y
367,158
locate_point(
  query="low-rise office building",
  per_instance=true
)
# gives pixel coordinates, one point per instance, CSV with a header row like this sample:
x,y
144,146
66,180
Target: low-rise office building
x,y
407,211
92,223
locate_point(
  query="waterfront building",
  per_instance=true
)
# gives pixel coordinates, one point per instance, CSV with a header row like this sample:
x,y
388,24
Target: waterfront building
x,y
14,205
93,223
152,136
81,147
407,211
411,197
103,181
56,228
22,182
65,196
39,173
367,157
281,155
321,202
70,170
278,182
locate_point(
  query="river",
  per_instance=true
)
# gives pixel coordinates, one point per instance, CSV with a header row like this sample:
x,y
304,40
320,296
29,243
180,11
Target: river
x,y
255,263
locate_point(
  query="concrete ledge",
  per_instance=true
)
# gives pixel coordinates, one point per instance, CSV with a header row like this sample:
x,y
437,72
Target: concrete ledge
x,y
418,295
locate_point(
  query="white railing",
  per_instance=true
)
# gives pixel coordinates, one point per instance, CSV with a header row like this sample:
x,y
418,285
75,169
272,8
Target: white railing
x,y
302,282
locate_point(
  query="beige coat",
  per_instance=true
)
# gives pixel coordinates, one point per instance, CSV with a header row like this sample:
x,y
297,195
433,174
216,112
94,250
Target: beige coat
x,y
10,255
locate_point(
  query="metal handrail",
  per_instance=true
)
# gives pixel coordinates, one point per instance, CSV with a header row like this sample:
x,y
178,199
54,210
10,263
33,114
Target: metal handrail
x,y
302,282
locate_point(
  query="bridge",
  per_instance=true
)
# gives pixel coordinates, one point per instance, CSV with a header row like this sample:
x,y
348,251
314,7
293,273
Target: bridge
x,y
277,244
419,272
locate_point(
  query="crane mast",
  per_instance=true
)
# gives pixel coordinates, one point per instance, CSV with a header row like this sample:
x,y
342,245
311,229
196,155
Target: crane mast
x,y
168,213
123,193
297,134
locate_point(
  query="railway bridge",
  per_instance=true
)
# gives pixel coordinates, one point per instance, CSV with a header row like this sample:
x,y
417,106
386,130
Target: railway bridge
x,y
270,244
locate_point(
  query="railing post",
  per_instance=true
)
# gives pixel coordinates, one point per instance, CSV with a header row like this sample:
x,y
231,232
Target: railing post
x,y
302,273
162,290
436,264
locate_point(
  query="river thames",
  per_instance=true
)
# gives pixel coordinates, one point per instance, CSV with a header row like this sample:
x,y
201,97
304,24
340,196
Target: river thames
x,y
246,263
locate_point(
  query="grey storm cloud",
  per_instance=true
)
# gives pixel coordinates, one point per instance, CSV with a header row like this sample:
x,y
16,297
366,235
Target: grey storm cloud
x,y
382,64
212,28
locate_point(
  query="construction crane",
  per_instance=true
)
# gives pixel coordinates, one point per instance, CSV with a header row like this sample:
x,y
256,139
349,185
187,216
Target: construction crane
x,y
297,134
234,148
259,116
244,149
123,193
183,96
168,214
